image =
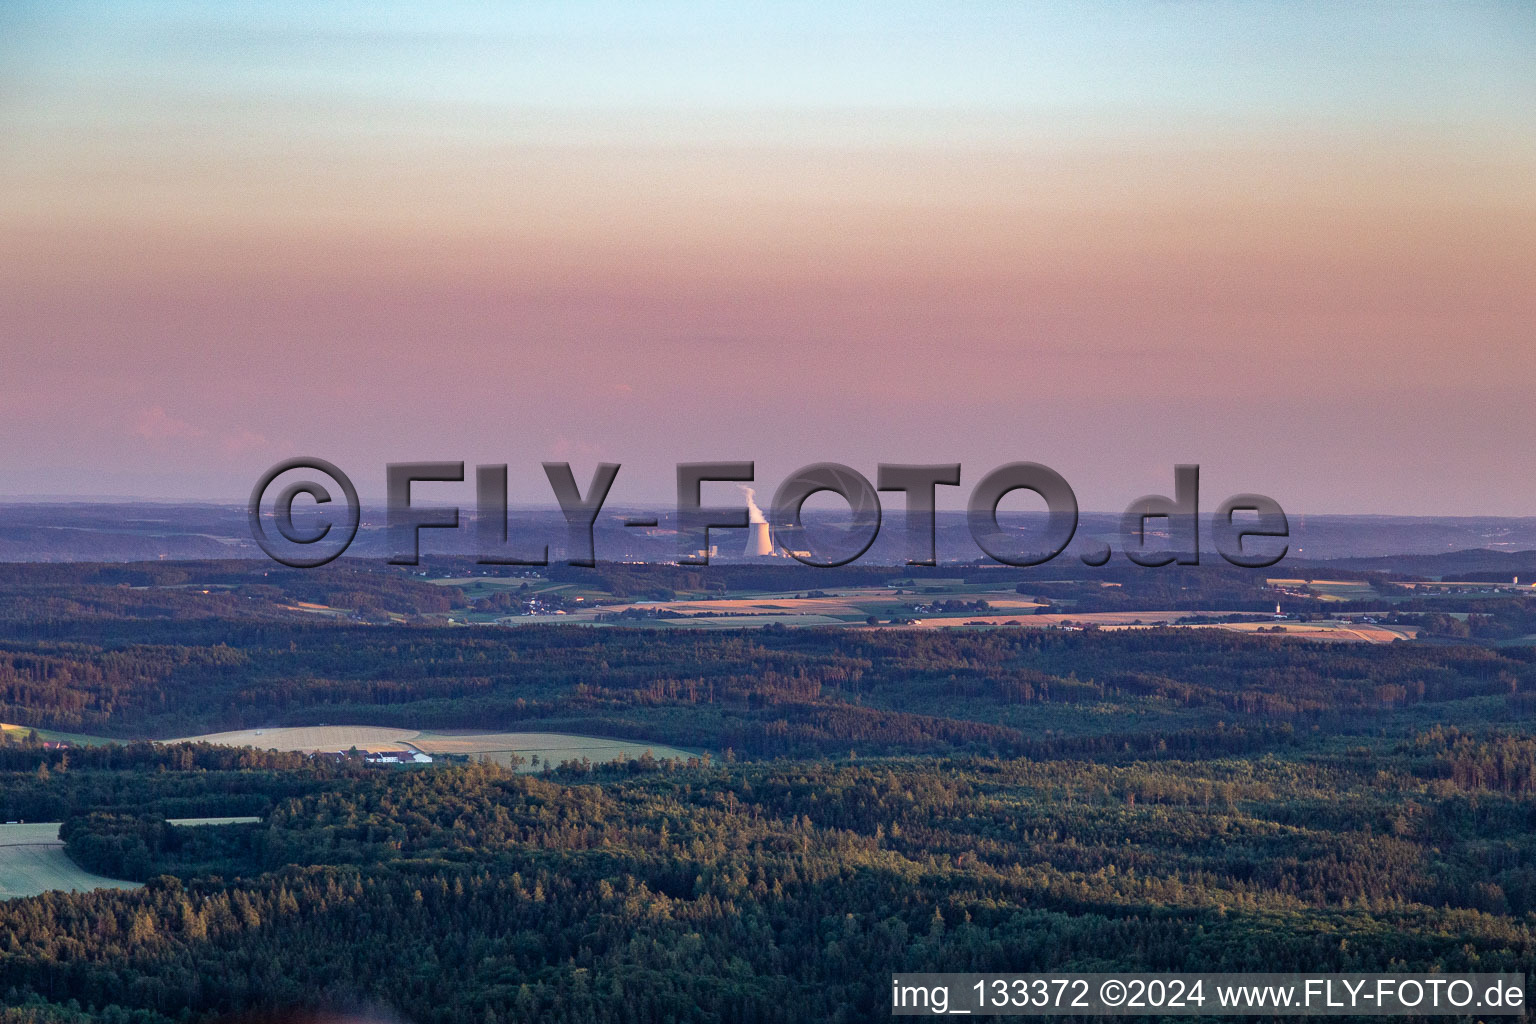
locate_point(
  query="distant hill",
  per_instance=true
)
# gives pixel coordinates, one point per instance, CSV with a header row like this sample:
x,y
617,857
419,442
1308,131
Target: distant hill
x,y
145,531
1475,564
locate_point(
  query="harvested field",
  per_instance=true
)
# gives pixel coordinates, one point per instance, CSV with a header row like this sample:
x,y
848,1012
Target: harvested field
x,y
550,747
1106,619
32,861
1366,632
308,739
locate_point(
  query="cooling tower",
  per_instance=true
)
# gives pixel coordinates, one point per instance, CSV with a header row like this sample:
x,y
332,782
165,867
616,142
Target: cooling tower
x,y
759,539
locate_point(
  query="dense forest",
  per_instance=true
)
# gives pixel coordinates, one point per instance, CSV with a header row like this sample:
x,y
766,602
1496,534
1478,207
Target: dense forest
x,y
164,650
59,592
777,891
764,692
863,801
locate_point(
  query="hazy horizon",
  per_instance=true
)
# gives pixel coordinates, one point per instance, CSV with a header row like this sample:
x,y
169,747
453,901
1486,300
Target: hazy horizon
x,y
894,510
1289,242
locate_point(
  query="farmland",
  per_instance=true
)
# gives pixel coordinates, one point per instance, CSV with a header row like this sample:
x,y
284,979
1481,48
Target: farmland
x,y
549,747
1330,590
32,860
903,603
309,738
20,732
1143,773
1329,630
1105,620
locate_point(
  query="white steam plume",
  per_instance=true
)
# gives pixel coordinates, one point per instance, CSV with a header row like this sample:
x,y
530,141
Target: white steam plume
x,y
754,514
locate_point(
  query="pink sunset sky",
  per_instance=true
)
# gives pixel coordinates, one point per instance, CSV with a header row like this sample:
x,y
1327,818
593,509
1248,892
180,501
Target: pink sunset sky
x,y
1294,243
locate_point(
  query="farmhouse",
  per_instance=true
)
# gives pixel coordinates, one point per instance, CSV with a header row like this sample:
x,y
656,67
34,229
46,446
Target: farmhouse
x,y
397,757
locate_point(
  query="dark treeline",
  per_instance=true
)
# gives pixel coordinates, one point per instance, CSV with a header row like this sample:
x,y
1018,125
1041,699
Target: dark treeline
x,y
38,598
1003,800
189,780
44,593
763,692
767,892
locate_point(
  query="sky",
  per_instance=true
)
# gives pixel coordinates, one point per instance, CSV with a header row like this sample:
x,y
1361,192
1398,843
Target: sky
x,y
1292,242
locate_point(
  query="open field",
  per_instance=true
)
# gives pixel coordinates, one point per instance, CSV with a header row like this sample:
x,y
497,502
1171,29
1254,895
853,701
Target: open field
x,y
550,747
535,584
1277,582
309,738
1338,631
32,861
1367,632
845,606
18,732
581,616
1105,619
317,609
740,621
849,604
476,587
1331,590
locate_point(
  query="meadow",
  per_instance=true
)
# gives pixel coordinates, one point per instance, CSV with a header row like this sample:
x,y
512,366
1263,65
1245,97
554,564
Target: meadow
x,y
549,748
308,739
32,861
1332,590
1334,630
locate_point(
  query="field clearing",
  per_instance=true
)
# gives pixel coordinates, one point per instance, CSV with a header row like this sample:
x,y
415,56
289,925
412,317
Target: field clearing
x,y
476,587
19,732
582,616
32,861
799,595
1317,583
739,621
1336,632
1082,619
1022,605
1368,632
839,605
550,747
308,739
955,621
316,609
29,833
536,585
845,603
1331,590
1326,631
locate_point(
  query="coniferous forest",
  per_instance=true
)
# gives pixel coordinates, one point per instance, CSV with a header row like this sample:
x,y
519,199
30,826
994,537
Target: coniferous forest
x,y
862,802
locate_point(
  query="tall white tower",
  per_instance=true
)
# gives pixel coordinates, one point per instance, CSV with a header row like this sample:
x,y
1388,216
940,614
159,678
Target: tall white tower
x,y
759,539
